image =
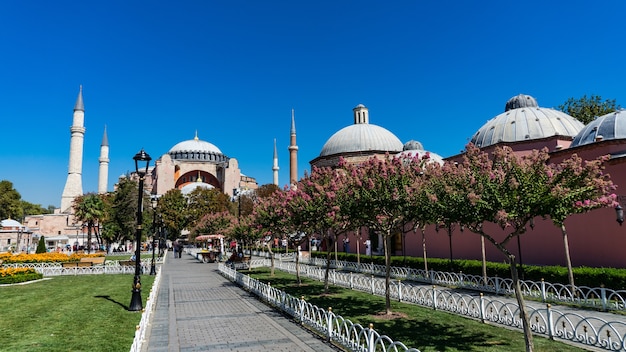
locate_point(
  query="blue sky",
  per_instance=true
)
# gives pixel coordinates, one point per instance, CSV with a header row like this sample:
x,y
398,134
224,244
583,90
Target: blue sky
x,y
155,72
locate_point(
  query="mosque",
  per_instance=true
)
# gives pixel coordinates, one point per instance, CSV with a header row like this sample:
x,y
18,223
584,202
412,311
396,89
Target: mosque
x,y
595,238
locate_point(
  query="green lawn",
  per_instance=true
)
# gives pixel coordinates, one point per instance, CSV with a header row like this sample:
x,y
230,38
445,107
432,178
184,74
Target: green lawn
x,y
70,313
422,328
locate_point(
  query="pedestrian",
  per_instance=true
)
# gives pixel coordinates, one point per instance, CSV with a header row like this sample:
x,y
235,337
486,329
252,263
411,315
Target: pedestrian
x,y
368,247
346,244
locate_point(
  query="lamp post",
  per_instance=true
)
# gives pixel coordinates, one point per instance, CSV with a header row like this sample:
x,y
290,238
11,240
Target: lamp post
x,y
155,203
136,303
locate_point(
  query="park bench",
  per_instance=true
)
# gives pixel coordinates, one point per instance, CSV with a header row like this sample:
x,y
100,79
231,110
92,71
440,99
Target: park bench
x,y
127,262
84,262
244,263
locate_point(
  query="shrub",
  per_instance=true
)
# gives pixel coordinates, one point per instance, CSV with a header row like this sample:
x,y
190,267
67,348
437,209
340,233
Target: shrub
x,y
15,275
41,246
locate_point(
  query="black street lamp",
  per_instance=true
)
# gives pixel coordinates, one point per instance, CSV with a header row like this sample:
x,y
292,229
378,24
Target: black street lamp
x,y
155,203
136,303
619,212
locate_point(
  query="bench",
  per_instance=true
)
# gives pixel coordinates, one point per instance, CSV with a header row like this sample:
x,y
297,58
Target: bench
x,y
76,264
127,262
244,263
93,260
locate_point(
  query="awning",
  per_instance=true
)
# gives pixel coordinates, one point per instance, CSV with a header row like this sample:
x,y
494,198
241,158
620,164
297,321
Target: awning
x,y
209,237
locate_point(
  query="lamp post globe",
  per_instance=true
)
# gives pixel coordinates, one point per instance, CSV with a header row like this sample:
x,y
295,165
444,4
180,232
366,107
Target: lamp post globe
x,y
619,213
140,158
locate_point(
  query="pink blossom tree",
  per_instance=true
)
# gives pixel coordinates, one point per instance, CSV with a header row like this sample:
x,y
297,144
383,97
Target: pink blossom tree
x,y
270,218
380,194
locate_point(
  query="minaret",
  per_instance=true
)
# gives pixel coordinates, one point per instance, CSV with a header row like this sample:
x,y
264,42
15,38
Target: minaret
x,y
275,167
74,184
293,153
103,170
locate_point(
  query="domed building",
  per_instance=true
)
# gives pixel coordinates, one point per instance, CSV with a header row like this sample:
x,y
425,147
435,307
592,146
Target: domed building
x,y
525,126
196,163
358,142
414,149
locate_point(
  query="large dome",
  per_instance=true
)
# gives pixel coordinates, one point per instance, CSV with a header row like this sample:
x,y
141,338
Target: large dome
x,y
362,136
196,149
524,120
605,127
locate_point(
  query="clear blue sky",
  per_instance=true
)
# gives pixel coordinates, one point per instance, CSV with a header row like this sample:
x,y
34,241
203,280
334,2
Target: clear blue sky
x,y
154,72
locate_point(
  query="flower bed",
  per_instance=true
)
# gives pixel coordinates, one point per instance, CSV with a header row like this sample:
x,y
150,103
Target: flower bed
x,y
51,257
15,275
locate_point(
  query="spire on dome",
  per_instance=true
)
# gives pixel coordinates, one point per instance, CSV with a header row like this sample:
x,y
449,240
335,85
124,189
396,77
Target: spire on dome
x,y
105,139
79,101
196,137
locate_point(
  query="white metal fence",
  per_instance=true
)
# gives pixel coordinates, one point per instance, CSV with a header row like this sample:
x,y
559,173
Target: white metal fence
x,y
333,327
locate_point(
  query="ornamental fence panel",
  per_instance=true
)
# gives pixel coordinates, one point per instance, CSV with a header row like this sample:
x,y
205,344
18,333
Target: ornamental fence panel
x,y
563,323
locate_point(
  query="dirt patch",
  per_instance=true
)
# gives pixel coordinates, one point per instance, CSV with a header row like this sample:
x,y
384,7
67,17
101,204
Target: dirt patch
x,y
391,316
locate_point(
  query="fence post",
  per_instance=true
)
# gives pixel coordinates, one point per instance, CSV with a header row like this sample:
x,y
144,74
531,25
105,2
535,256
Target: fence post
x,y
329,324
482,307
434,298
300,315
372,283
543,290
351,281
497,285
550,322
399,290
370,339
603,297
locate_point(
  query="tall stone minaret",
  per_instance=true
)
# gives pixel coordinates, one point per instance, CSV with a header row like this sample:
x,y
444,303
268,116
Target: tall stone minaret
x,y
103,170
293,153
74,184
275,167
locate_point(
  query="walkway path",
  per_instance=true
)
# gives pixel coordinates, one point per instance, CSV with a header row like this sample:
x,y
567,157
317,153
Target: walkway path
x,y
199,310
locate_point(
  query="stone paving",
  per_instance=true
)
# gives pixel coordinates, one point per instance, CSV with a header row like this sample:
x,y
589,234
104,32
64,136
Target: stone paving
x,y
199,310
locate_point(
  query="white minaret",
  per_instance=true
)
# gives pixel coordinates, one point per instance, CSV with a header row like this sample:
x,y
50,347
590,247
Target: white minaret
x,y
293,153
275,167
74,184
103,170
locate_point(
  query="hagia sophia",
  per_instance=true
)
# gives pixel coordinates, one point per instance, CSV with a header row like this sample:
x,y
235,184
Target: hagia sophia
x,y
595,238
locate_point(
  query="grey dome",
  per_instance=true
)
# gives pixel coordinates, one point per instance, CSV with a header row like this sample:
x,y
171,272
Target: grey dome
x,y
413,145
196,150
605,127
523,120
361,137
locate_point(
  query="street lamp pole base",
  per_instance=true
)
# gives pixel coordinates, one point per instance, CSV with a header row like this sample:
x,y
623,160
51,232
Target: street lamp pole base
x,y
152,268
136,303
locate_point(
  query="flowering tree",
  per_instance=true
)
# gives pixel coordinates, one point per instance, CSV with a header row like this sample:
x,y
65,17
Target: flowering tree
x,y
314,208
577,186
510,191
380,194
213,224
270,219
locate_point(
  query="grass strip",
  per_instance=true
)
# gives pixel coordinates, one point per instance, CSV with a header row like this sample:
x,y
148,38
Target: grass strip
x,y
423,328
70,313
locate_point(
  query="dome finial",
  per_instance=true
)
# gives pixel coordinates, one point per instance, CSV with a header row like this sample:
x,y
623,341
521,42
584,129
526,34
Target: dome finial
x,y
196,136
199,177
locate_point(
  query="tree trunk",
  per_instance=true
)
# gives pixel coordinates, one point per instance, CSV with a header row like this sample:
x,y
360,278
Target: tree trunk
x,y
424,250
269,248
484,258
328,256
298,268
568,261
387,249
528,335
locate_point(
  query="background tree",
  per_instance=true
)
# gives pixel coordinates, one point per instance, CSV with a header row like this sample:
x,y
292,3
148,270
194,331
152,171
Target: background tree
x,y
10,206
89,209
585,109
120,224
41,245
270,221
32,209
213,224
173,210
202,201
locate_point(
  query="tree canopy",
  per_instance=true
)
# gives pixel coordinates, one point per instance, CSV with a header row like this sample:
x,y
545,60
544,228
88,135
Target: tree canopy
x,y
585,109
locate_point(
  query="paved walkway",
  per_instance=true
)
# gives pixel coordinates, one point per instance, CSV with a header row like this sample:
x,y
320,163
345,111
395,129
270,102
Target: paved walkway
x,y
197,309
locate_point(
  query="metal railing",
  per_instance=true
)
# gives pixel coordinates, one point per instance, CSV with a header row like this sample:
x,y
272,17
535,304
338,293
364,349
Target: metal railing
x,y
332,327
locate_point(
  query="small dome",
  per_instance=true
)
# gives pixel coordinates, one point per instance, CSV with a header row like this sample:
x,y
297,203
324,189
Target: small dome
x,y
413,145
523,120
361,137
10,223
190,187
606,127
